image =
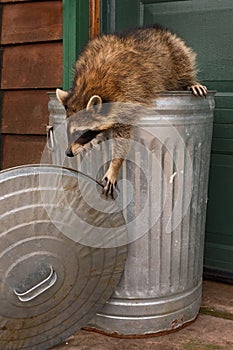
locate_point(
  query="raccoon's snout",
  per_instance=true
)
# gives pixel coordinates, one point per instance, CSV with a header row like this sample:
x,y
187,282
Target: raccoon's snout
x,y
84,138
69,152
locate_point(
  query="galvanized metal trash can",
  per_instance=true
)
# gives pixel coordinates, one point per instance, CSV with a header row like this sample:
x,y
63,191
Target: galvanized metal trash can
x,y
51,284
163,196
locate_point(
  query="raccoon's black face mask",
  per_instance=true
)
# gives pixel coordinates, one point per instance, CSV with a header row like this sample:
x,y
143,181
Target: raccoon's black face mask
x,y
86,124
86,136
78,139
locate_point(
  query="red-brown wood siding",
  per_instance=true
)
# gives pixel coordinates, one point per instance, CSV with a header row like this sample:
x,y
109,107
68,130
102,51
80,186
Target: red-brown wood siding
x,y
25,112
32,66
31,40
22,149
31,22
12,1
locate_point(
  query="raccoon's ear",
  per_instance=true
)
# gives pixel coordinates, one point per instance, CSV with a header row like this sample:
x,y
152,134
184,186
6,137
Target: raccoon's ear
x,y
95,101
61,95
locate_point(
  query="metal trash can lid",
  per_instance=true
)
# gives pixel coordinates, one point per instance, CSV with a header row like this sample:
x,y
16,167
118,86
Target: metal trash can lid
x,y
53,280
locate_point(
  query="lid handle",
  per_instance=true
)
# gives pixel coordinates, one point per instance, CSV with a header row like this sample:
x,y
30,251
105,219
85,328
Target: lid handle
x,y
39,288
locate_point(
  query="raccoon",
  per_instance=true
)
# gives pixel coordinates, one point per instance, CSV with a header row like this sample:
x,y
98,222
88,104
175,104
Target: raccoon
x,y
116,77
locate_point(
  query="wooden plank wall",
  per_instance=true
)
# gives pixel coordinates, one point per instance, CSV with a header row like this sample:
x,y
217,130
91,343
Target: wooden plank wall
x,y
31,42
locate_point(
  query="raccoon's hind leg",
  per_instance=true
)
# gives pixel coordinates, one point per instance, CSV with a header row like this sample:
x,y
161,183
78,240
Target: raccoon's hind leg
x,y
198,89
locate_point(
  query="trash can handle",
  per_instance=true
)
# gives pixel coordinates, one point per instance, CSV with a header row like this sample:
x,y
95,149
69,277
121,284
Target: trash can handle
x,y
39,288
50,138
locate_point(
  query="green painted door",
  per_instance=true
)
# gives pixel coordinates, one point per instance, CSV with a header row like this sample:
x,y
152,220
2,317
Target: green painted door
x,y
75,35
206,26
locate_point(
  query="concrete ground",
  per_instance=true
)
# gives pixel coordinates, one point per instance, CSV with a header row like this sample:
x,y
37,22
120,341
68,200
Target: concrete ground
x,y
212,330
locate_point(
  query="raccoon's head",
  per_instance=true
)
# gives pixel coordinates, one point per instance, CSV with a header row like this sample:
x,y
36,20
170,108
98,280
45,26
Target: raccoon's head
x,y
83,125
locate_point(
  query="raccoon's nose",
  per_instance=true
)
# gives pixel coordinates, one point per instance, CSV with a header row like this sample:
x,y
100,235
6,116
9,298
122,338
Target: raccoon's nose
x,y
69,152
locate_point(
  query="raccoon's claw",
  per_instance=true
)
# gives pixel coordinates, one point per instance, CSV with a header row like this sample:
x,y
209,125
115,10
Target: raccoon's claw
x,y
198,90
110,185
109,188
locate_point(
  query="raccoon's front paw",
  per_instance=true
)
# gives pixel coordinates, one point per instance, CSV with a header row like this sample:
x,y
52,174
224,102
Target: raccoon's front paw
x,y
198,90
110,179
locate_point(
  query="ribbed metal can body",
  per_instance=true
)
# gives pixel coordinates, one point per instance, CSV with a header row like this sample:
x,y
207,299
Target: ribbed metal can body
x,y
163,192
